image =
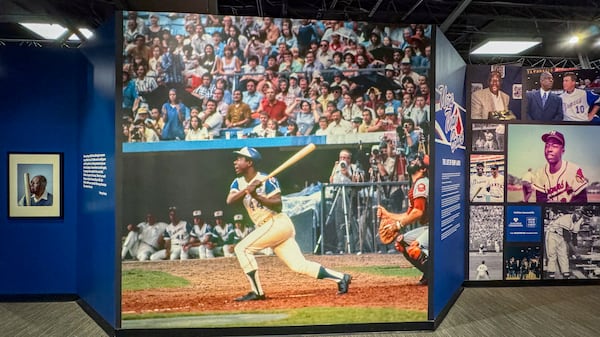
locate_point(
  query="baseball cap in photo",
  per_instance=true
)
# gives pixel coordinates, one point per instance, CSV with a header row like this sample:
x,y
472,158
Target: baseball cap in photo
x,y
554,135
197,213
249,152
238,217
218,214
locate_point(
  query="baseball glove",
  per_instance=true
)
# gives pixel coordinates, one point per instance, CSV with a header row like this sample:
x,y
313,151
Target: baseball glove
x,y
388,230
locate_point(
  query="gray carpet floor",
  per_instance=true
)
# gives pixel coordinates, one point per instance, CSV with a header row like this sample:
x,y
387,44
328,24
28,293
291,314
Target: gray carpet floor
x,y
524,311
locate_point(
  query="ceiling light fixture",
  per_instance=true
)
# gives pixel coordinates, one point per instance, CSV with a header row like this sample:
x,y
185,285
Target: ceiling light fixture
x,y
49,31
574,39
84,31
505,46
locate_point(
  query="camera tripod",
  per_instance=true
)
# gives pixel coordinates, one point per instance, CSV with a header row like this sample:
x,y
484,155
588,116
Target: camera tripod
x,y
345,207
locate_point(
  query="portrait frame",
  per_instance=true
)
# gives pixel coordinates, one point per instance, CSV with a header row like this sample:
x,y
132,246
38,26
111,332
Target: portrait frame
x,y
24,167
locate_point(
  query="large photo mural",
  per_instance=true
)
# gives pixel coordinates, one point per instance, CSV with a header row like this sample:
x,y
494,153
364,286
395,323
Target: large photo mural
x,y
210,105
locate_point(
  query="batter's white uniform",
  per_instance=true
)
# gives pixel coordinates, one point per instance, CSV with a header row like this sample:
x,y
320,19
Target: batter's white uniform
x,y
482,272
561,186
273,230
478,182
577,104
557,249
496,188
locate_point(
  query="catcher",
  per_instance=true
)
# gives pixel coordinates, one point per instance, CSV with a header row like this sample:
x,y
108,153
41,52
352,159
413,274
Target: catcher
x,y
414,244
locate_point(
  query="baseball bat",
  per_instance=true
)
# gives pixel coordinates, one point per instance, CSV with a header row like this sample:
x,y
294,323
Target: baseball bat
x,y
291,161
26,189
476,193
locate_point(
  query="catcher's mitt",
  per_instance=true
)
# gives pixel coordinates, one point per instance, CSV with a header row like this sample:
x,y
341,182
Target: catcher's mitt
x,y
388,230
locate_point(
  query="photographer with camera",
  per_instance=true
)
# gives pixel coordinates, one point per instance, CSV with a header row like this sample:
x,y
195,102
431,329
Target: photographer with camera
x,y
388,165
410,136
343,172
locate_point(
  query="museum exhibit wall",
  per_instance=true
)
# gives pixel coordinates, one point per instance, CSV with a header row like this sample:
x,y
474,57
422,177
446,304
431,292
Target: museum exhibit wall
x,y
450,159
62,100
97,272
43,96
528,222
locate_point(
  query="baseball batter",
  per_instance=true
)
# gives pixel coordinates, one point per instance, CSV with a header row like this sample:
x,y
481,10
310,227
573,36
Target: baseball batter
x,y
478,184
559,180
578,105
557,249
274,229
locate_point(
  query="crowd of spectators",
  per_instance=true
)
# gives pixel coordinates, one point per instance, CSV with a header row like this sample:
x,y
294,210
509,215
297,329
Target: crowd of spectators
x,y
192,76
486,228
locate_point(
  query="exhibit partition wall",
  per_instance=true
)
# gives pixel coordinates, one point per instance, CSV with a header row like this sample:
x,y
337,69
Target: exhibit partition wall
x,y
533,193
449,177
208,100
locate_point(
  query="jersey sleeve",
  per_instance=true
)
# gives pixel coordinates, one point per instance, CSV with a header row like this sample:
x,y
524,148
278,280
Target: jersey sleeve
x,y
592,98
272,187
235,186
421,189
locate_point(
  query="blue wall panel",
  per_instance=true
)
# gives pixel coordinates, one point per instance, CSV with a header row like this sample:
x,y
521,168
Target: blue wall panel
x,y
42,90
97,276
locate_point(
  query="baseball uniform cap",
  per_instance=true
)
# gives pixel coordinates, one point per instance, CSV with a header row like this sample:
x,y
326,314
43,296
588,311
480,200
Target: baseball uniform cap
x,y
218,214
197,213
249,152
238,217
554,135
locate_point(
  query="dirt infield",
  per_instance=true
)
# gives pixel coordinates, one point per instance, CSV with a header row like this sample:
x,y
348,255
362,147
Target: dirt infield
x,y
215,283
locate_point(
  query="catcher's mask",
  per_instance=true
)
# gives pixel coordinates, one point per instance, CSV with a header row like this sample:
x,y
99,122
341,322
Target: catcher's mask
x,y
417,161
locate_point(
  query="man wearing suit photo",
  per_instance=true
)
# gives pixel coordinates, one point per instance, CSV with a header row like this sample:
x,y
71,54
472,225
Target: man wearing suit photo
x,y
543,105
489,99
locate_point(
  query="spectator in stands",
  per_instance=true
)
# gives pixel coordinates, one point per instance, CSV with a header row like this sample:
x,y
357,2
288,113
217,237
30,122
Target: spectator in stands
x,y
349,109
305,114
205,90
273,129
218,97
172,65
367,121
211,119
195,132
238,113
228,65
323,124
144,85
274,107
208,59
261,129
252,97
269,31
338,125
292,129
173,114
287,34
200,40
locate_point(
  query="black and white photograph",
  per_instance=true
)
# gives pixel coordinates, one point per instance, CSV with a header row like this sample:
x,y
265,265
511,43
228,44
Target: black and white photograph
x,y
486,178
488,137
572,242
485,242
522,261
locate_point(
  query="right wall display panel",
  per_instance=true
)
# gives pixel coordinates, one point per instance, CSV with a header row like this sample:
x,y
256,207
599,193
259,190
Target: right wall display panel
x,y
533,174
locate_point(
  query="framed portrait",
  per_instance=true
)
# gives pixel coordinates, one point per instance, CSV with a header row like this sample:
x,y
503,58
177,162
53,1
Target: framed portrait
x,y
35,185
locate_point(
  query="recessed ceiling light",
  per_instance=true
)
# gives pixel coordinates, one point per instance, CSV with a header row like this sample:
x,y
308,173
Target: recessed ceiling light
x,y
50,31
505,47
84,31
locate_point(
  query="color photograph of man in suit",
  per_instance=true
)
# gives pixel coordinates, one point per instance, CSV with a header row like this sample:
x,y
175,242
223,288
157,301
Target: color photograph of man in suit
x,y
542,104
490,99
